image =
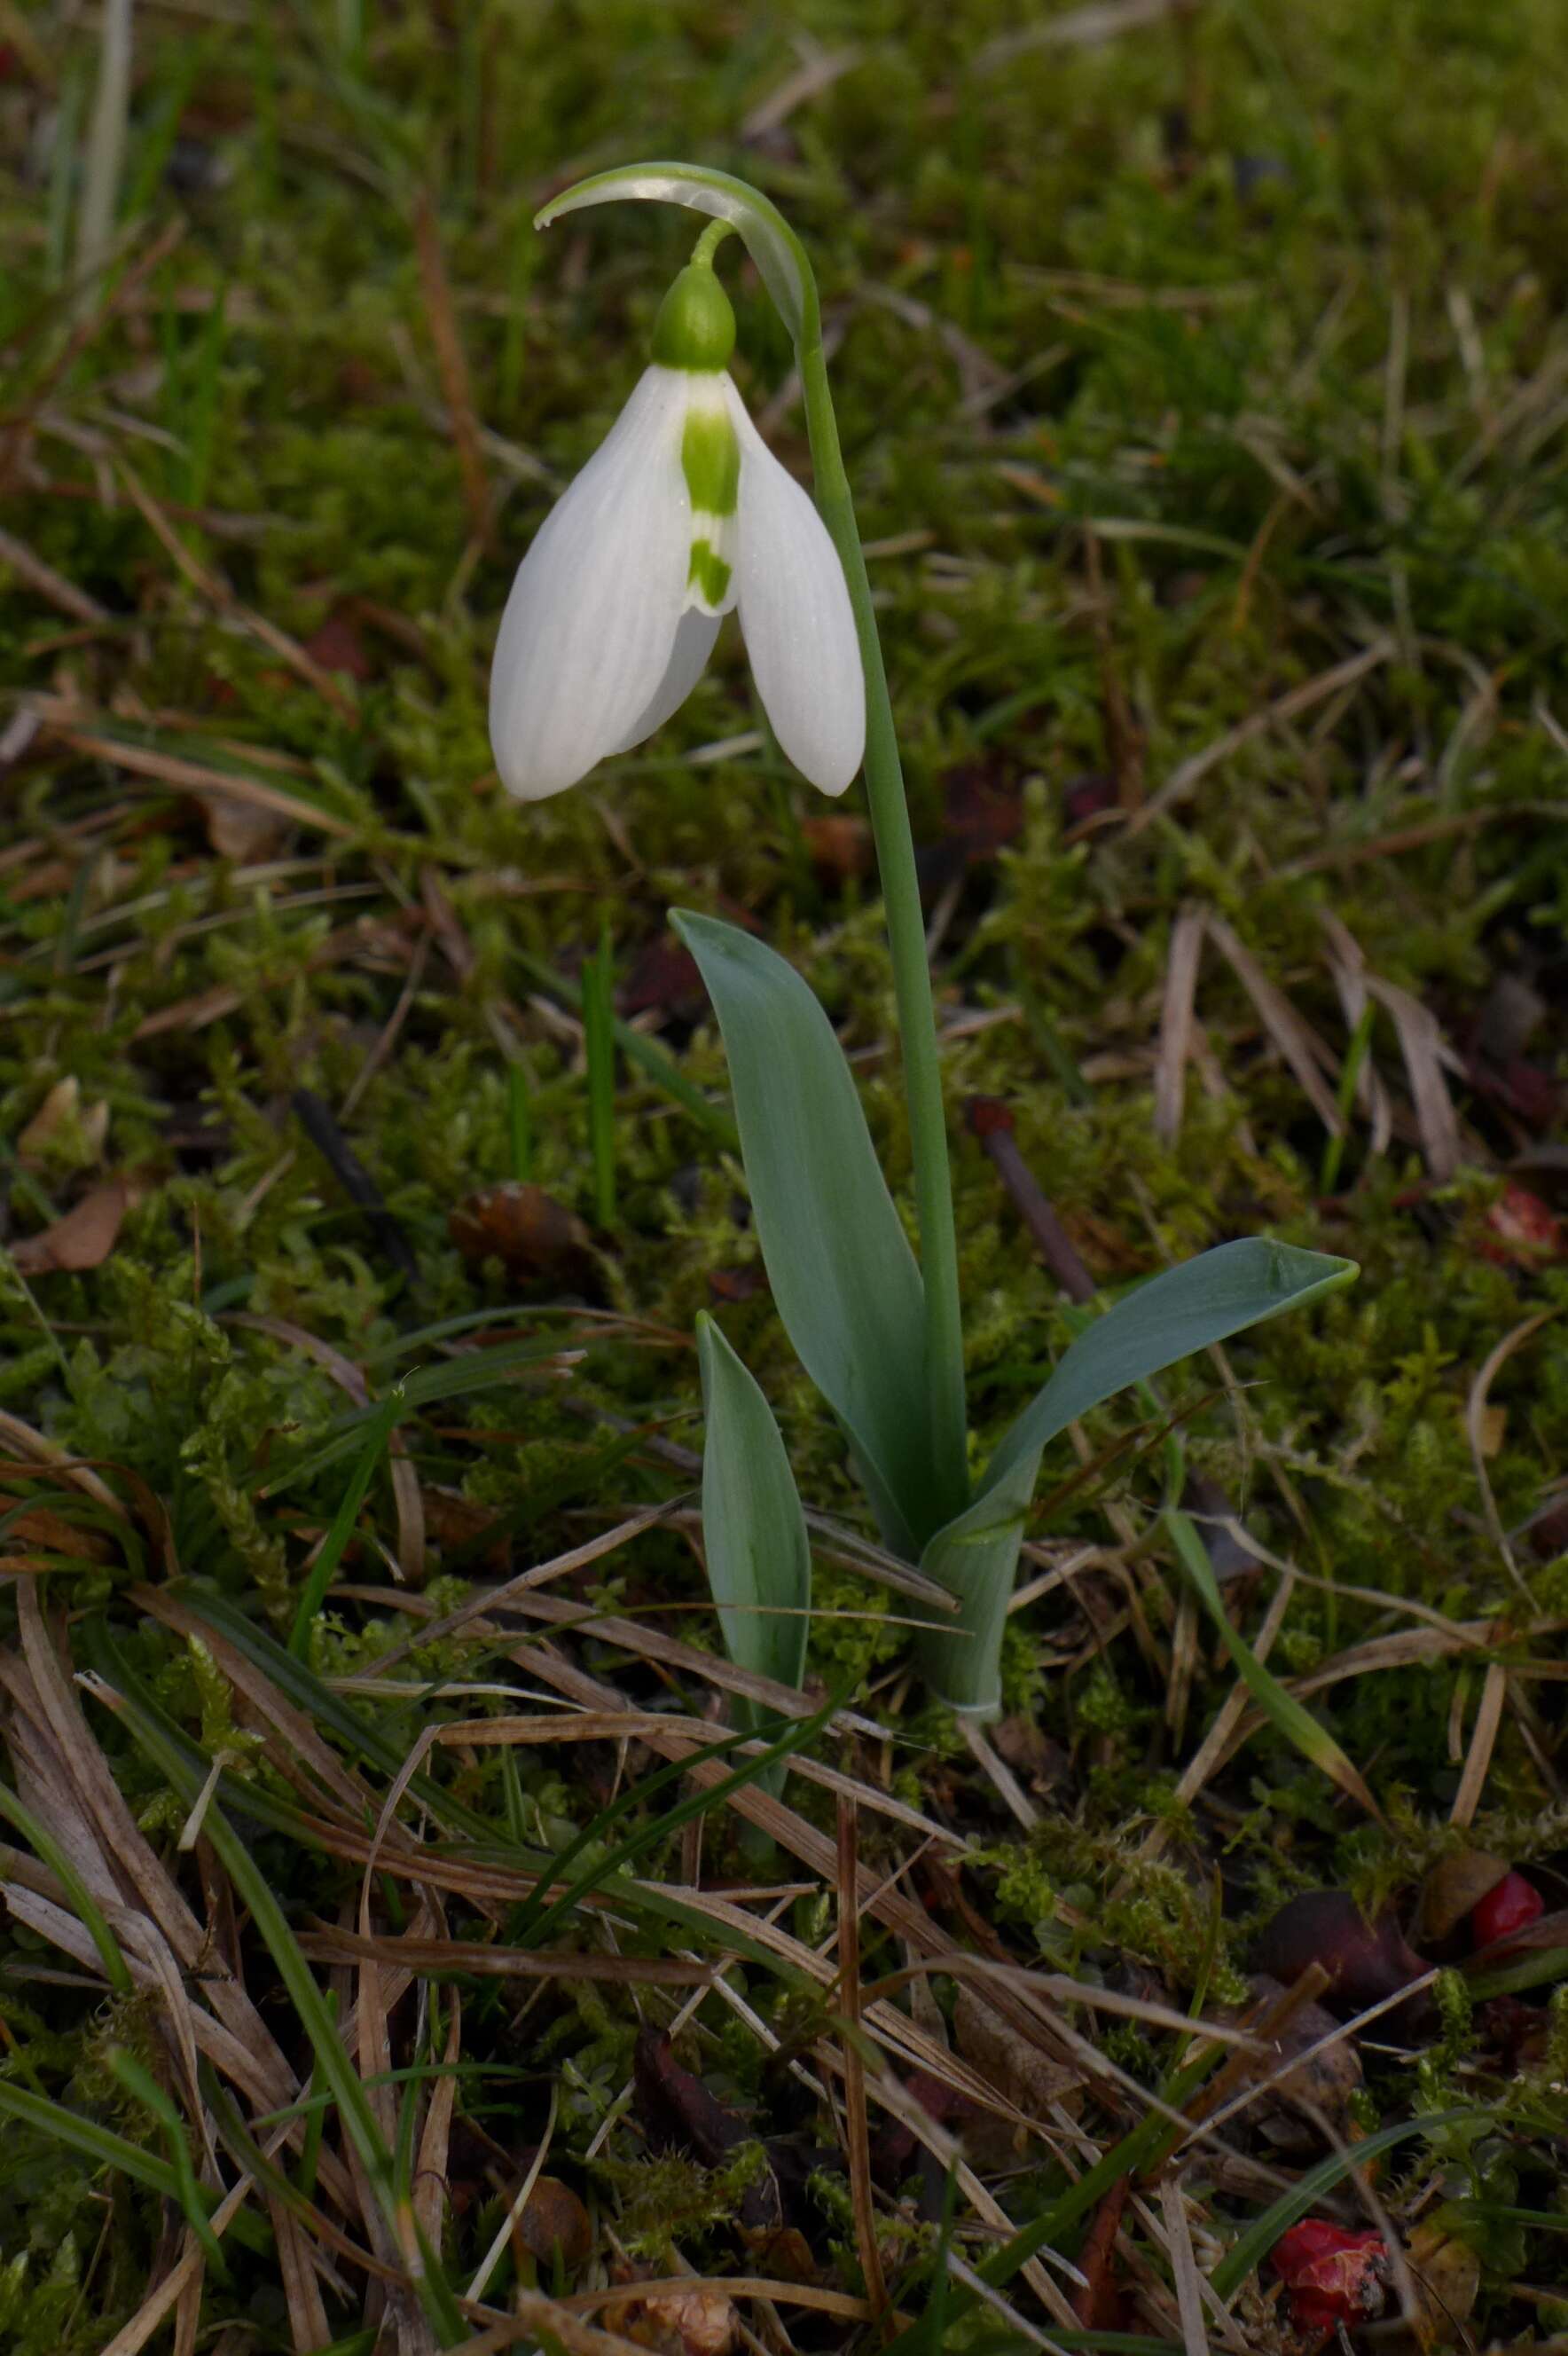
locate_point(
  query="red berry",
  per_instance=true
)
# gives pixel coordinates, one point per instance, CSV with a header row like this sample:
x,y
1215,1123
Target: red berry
x,y
1521,1231
1332,2274
1512,1906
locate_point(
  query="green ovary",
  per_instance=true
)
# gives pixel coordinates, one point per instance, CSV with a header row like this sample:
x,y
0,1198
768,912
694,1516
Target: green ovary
x,y
709,576
711,459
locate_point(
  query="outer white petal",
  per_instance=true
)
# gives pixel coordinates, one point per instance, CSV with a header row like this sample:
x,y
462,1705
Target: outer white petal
x,y
586,637
796,614
688,661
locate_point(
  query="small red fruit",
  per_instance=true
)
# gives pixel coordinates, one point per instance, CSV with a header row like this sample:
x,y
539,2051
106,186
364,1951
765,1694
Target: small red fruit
x,y
1333,2276
1512,1905
1521,1231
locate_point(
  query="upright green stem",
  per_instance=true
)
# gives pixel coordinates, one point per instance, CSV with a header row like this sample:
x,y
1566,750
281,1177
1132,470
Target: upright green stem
x,y
906,939
787,275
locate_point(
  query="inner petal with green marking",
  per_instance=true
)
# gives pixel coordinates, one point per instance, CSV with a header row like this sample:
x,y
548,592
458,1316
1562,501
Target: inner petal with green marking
x,y
711,461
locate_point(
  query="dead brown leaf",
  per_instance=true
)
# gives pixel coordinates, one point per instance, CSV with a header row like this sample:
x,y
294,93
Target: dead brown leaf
x,y
1455,1885
536,1239
83,1238
1447,2278
695,2322
241,830
61,1106
554,2218
1028,2077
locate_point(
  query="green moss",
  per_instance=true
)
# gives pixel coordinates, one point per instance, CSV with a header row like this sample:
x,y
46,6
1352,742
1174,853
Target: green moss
x,y
1188,261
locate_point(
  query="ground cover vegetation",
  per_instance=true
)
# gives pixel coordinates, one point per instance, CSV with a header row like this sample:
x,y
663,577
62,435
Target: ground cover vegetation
x,y
414,1931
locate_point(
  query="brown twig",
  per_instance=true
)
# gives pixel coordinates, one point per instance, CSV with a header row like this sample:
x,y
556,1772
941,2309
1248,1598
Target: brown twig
x,y
452,362
221,597
992,1122
859,2133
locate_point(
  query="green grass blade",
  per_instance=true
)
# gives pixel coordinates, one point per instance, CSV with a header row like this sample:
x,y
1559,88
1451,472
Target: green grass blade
x,y
137,2081
1262,2235
649,1057
796,1734
635,1798
100,2145
519,1123
309,2003
377,1435
459,1377
1282,1709
115,1968
480,1843
599,1045
1345,1095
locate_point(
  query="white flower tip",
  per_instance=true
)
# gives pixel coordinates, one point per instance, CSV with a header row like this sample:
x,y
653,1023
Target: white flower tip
x,y
797,619
586,639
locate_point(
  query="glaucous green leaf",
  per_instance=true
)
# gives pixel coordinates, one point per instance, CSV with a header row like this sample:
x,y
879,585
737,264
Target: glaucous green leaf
x,y
753,1532
843,1276
1186,1308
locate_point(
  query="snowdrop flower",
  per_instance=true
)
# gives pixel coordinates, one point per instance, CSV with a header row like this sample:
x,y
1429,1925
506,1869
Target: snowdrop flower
x,y
681,514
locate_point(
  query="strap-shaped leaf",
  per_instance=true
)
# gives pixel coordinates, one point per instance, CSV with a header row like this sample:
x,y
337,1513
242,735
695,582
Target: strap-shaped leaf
x,y
1186,1308
1204,1300
843,1276
753,1531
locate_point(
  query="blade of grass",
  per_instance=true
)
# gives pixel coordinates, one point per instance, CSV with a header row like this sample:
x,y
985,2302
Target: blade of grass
x,y
1284,1712
1137,2149
586,1474
105,149
100,2145
797,1732
520,1122
636,1795
1345,1095
116,1970
116,2153
649,1057
137,2081
155,144
331,1552
599,1044
1537,1970
481,1843
316,2119
1260,2235
310,2005
425,1386
201,412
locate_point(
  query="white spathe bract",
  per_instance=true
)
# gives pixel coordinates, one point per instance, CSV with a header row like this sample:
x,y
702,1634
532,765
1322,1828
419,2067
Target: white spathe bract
x,y
610,623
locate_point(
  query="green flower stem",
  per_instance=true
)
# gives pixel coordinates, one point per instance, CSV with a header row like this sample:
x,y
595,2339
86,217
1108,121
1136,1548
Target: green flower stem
x,y
786,273
906,940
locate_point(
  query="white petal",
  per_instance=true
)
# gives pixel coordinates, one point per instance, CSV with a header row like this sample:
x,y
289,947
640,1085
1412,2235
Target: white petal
x,y
688,661
795,613
586,637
